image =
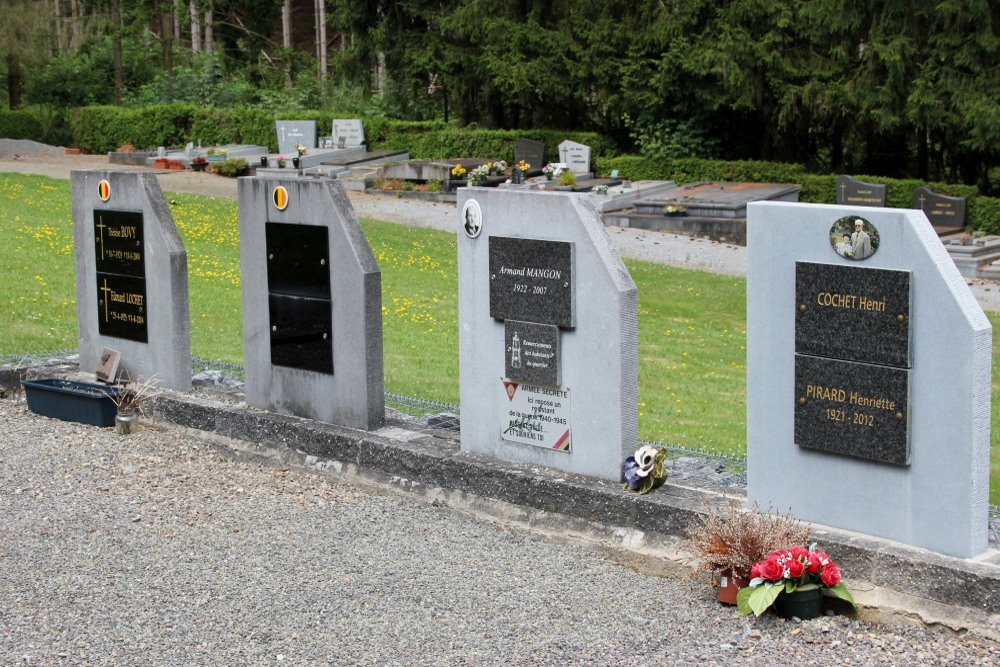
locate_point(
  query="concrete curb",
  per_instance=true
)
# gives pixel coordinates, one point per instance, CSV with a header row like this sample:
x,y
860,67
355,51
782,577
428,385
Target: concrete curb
x,y
887,578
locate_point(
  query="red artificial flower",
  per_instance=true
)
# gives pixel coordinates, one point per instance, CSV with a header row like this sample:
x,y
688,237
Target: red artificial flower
x,y
795,568
830,575
814,565
771,569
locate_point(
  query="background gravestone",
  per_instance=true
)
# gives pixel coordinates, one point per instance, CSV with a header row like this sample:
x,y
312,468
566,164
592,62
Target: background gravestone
x,y
291,132
131,277
858,193
868,404
575,156
531,151
548,333
348,133
312,303
946,214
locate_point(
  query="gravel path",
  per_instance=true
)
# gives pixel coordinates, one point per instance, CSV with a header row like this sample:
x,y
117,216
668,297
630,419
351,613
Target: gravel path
x,y
154,549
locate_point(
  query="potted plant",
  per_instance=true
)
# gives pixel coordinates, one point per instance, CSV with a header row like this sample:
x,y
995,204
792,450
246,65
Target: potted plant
x,y
551,170
479,174
199,163
69,400
794,581
567,180
129,402
727,542
281,161
674,210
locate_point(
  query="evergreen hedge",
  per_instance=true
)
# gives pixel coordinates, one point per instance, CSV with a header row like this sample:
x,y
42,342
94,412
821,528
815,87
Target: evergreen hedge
x,y
99,129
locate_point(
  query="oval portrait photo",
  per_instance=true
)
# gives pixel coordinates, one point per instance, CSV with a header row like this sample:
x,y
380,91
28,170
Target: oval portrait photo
x,y
854,237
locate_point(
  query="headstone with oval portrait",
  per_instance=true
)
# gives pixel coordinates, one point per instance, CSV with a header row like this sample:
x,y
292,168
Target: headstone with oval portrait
x,y
312,304
549,337
131,278
867,376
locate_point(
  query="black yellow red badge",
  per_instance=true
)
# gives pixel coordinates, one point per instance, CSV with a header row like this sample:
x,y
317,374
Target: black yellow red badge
x,y
280,198
104,190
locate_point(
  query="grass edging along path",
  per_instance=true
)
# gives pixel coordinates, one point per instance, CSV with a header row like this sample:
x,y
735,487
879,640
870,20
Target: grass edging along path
x,y
692,335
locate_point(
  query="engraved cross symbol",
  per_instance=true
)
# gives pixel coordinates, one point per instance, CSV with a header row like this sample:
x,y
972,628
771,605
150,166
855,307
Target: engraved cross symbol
x,y
106,289
101,227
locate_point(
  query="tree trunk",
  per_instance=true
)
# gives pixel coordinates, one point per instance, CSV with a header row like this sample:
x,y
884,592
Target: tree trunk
x,y
177,19
286,39
209,40
59,27
116,56
321,38
166,40
74,18
195,27
13,80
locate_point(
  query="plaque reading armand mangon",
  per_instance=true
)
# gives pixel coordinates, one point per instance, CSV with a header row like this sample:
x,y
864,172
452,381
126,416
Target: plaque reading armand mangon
x,y
853,313
531,280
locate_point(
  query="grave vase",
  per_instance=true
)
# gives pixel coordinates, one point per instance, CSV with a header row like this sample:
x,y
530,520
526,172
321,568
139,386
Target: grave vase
x,y
803,603
295,162
263,161
125,423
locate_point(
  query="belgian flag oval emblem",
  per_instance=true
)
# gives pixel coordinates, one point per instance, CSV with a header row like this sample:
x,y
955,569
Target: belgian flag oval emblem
x,y
104,190
280,197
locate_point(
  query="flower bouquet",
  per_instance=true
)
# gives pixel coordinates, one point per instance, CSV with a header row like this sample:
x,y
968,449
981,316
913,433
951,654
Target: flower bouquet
x,y
551,170
458,171
300,149
498,167
644,470
479,174
789,571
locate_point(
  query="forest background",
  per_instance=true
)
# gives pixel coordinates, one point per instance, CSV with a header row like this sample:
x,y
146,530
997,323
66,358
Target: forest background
x,y
889,88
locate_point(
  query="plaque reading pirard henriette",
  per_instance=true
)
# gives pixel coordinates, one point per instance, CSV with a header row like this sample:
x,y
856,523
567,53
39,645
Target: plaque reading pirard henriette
x,y
531,280
852,409
853,313
118,243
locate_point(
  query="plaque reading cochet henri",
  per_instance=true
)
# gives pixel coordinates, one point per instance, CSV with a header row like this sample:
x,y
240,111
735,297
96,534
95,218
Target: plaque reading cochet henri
x,y
852,409
532,353
119,254
531,280
853,313
299,306
537,416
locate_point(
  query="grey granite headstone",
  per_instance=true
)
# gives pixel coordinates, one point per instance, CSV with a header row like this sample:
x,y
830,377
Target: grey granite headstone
x,y
131,277
858,193
565,395
531,151
291,132
312,303
907,457
944,212
575,156
348,133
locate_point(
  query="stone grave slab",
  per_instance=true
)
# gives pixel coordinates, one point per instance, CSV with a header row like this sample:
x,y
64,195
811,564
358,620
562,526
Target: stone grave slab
x,y
859,417
532,152
548,348
851,192
312,304
131,277
291,132
348,133
946,214
575,156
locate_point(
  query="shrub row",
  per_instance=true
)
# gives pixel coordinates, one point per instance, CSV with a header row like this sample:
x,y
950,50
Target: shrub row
x,y
99,129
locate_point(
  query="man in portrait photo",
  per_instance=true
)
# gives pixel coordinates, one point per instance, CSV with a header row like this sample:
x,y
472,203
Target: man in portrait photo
x,y
861,243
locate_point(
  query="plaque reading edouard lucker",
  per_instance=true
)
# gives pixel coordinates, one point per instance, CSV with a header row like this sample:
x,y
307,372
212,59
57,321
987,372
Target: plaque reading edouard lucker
x,y
531,280
119,252
853,313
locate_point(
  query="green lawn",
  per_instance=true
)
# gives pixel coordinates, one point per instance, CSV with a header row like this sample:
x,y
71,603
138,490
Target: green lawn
x,y
692,325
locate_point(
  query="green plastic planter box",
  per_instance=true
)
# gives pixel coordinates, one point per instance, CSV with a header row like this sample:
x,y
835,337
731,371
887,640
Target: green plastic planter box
x,y
72,401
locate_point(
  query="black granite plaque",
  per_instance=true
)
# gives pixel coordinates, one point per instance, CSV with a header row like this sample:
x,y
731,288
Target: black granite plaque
x,y
118,243
301,332
858,193
531,151
853,313
851,409
121,307
942,211
298,285
298,260
532,353
532,281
